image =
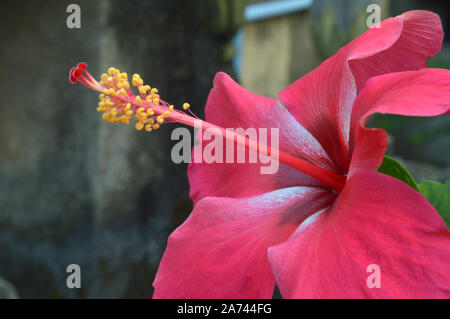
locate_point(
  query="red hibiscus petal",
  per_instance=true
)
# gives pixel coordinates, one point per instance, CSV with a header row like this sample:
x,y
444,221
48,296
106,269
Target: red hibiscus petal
x,y
420,39
322,100
375,220
221,250
413,93
231,106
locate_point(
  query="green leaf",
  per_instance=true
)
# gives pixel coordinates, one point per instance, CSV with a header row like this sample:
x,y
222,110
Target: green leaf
x,y
439,196
392,167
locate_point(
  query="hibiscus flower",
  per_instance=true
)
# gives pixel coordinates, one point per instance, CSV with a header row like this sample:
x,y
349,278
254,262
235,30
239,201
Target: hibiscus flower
x,y
327,216
249,231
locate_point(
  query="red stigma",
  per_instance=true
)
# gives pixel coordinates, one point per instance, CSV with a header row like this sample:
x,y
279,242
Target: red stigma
x,y
77,72
72,79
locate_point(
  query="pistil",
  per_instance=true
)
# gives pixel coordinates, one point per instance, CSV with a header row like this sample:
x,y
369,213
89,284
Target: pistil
x,y
120,104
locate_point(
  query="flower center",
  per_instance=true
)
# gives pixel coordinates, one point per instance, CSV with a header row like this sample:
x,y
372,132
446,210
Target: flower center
x,y
119,104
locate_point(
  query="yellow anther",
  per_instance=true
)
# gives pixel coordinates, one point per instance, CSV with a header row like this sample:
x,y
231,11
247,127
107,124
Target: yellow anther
x,y
116,110
141,118
123,92
112,71
137,80
144,89
139,126
186,106
124,120
104,78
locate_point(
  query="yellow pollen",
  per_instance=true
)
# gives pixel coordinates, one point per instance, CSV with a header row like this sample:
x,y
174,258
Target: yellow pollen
x,y
139,126
124,120
160,119
120,105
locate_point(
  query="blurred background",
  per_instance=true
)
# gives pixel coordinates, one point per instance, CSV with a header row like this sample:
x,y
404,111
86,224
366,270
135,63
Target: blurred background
x,y
77,190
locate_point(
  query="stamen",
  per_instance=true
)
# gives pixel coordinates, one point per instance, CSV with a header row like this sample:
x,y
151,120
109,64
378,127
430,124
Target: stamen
x,y
118,102
119,105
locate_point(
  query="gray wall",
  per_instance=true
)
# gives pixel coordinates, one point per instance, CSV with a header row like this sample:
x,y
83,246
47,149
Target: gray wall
x,y
73,188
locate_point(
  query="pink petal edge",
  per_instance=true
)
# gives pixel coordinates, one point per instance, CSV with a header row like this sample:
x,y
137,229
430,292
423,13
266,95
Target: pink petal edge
x,y
221,250
375,220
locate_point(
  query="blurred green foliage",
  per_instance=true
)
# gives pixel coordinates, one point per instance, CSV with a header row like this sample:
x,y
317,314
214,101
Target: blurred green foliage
x,y
420,138
439,196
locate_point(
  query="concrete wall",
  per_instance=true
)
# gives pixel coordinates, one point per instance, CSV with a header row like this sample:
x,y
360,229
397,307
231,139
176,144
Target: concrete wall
x,y
73,188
